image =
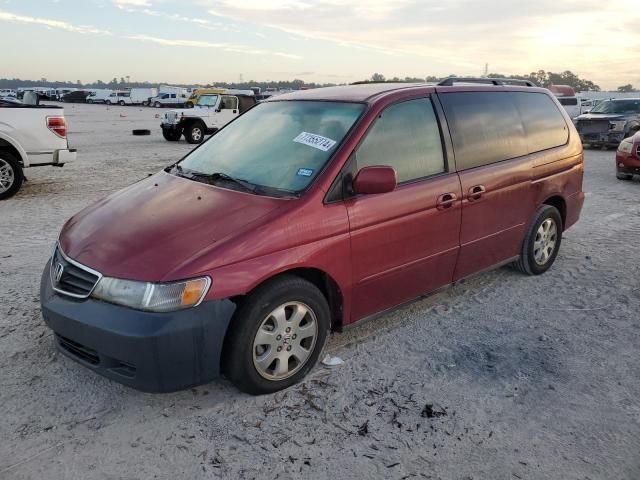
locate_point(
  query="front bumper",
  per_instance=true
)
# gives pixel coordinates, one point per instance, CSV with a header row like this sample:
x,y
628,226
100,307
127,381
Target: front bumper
x,y
607,138
152,352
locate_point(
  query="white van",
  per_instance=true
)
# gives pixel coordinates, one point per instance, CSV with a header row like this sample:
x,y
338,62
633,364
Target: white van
x,y
99,96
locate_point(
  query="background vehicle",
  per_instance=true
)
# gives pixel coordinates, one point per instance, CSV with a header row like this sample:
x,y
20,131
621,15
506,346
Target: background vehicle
x,y
628,158
170,96
140,96
308,213
119,97
566,95
99,96
211,113
30,136
78,96
198,92
609,122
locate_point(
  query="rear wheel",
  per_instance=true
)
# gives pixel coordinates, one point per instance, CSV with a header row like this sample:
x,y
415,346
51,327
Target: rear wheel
x,y
195,132
171,135
542,241
11,175
277,335
121,102
108,102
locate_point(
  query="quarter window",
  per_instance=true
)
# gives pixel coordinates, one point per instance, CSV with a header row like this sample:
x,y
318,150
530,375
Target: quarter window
x,y
406,137
544,125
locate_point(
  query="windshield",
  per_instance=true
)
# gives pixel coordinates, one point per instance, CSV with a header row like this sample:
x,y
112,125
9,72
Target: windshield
x,y
617,106
207,100
278,145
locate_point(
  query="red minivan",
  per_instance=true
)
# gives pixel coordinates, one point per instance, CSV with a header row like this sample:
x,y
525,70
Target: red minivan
x,y
310,212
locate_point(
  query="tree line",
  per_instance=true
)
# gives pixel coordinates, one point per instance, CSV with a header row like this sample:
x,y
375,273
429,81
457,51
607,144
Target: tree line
x,y
541,78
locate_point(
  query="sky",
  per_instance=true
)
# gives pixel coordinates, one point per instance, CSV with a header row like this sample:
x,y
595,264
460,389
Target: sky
x,y
203,41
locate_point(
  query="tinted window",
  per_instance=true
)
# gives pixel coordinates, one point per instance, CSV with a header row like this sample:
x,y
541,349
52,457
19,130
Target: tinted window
x,y
543,123
568,101
618,106
229,102
485,127
406,137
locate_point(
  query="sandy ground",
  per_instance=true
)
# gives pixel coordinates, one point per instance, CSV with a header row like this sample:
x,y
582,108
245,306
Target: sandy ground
x,y
538,377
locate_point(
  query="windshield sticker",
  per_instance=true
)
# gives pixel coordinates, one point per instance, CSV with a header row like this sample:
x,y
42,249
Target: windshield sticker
x,y
315,141
304,172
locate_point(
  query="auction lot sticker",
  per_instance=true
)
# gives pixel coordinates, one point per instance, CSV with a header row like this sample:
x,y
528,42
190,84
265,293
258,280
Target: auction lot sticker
x,y
315,141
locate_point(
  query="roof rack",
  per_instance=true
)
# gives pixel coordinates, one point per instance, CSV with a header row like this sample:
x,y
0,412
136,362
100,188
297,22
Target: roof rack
x,y
448,82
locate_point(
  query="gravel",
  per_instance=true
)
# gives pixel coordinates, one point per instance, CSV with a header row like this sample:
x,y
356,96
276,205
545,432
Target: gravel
x,y
502,376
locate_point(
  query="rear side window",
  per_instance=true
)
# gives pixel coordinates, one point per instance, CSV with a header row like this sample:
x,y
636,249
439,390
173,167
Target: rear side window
x,y
544,125
485,127
406,137
568,101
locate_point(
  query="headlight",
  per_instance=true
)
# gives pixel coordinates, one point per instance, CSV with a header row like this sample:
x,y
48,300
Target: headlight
x,y
618,126
625,146
153,297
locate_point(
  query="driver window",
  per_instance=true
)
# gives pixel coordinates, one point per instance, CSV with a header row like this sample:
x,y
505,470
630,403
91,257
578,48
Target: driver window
x,y
406,136
229,103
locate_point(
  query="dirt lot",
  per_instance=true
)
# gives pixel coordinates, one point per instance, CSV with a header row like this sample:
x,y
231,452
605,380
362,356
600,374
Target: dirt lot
x,y
501,377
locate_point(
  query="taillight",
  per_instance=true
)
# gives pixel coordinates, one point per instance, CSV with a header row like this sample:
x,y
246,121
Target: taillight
x,y
57,126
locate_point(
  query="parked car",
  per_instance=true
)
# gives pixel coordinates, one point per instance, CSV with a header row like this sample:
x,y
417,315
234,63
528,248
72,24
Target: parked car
x,y
312,211
567,97
78,96
609,122
628,158
211,113
168,100
119,97
30,136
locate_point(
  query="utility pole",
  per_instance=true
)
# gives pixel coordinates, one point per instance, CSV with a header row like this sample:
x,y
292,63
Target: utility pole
x,y
486,69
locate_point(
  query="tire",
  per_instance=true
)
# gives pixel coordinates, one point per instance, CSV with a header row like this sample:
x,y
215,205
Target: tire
x,y
145,103
623,176
11,175
121,103
157,104
189,105
141,132
171,135
107,102
242,353
195,132
535,260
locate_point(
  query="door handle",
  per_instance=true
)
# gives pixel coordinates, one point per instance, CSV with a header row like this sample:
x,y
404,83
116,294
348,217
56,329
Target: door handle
x,y
235,111
476,192
446,200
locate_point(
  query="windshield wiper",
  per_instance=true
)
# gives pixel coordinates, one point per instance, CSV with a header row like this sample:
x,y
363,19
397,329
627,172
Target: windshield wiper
x,y
245,184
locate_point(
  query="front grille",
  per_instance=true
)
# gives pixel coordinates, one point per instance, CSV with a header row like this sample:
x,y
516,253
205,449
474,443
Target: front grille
x,y
593,126
78,350
71,278
171,117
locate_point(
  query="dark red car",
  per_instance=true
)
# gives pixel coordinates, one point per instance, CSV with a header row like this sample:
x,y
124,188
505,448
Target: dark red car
x,y
628,158
308,213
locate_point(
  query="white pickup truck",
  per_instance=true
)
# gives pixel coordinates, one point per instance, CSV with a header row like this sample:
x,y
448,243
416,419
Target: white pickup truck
x,y
30,136
211,113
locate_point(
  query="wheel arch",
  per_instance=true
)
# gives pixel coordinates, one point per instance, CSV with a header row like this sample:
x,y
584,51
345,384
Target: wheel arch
x,y
322,280
11,146
559,203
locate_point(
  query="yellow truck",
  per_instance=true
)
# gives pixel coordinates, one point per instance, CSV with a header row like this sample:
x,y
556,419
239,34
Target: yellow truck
x,y
198,92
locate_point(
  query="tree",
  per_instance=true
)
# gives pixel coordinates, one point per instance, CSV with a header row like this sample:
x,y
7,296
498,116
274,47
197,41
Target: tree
x,y
626,88
377,77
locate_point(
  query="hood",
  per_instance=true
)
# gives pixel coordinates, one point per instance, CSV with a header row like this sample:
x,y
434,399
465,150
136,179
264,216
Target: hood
x,y
600,116
192,112
153,227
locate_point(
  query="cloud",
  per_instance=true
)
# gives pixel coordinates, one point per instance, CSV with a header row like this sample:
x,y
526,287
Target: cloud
x,y
460,36
132,3
11,17
227,47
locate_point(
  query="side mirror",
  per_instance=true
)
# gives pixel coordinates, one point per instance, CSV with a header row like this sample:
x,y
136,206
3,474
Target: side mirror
x,y
377,179
587,111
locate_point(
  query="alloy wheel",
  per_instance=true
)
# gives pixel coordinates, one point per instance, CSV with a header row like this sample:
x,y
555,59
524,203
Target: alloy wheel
x,y
7,176
545,242
285,341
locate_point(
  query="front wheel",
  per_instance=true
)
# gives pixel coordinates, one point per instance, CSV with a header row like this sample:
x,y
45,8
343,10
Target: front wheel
x,y
11,175
157,104
108,102
276,336
623,176
121,102
194,133
542,241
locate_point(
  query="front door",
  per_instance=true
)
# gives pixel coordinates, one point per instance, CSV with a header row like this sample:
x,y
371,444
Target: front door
x,y
404,243
227,110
